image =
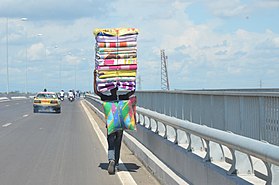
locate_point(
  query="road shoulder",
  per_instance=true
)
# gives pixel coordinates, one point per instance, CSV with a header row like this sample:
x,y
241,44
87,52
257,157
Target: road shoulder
x,y
130,163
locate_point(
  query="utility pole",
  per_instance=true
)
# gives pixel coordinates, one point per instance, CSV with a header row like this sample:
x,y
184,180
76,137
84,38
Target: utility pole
x,y
24,19
164,72
7,53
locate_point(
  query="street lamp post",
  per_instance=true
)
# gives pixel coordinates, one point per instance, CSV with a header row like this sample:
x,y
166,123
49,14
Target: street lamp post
x,y
44,72
26,57
7,53
60,74
7,56
75,76
60,83
45,52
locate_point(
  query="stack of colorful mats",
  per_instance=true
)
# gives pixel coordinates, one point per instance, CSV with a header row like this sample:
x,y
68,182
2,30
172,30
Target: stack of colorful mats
x,y
116,58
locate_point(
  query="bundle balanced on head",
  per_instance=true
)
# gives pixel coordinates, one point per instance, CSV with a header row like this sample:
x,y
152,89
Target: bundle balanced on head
x,y
115,83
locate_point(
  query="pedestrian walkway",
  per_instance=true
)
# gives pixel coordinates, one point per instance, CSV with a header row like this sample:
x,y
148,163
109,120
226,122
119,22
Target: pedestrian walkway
x,y
131,170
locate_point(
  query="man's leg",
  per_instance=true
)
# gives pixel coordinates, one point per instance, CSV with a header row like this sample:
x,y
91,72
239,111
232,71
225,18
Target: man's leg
x,y
118,141
111,153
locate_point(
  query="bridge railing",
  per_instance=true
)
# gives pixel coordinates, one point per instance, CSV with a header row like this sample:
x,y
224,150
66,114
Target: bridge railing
x,y
250,114
242,150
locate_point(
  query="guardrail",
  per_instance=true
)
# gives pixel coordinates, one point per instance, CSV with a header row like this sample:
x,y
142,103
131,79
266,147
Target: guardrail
x,y
251,114
241,149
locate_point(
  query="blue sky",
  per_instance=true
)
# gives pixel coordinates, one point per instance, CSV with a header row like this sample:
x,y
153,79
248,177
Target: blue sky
x,y
209,44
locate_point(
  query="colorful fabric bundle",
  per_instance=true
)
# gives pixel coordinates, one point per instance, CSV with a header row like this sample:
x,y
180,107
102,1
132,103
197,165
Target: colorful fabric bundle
x,y
118,79
120,49
112,74
117,52
112,117
115,31
127,114
118,67
109,62
116,57
133,100
110,85
126,38
120,115
115,44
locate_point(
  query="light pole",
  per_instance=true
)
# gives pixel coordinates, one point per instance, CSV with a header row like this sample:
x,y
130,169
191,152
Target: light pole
x,y
60,73
60,84
26,57
75,76
75,66
89,73
7,53
40,35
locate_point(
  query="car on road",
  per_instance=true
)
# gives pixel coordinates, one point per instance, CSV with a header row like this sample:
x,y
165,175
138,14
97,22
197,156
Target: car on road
x,y
46,101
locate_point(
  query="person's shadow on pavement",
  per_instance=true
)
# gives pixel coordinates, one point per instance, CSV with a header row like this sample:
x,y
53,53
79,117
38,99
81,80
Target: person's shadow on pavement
x,y
130,167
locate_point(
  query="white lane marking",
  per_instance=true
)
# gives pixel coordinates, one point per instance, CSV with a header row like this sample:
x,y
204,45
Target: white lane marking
x,y
7,105
6,125
25,115
124,176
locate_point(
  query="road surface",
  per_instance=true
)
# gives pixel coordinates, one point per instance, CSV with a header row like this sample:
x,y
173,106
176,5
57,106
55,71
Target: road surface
x,y
58,149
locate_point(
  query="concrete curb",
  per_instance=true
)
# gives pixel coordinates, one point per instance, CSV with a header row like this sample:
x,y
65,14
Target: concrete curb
x,y
18,97
4,99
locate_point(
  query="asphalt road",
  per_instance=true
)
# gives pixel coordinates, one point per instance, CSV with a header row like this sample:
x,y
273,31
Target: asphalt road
x,y
56,149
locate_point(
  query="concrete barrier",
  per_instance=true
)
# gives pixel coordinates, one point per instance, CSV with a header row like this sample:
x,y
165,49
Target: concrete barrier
x,y
4,99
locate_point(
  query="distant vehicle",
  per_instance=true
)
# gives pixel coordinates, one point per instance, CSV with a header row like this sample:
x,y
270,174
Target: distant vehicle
x,y
46,101
71,95
61,95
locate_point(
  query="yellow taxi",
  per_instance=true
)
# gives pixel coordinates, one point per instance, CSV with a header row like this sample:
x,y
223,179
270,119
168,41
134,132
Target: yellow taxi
x,y
46,101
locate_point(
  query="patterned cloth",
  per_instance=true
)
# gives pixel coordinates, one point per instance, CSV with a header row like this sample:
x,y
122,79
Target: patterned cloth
x,y
128,49
127,88
130,86
128,114
112,117
116,52
133,100
116,56
126,38
112,74
115,31
115,44
120,115
117,67
119,79
102,62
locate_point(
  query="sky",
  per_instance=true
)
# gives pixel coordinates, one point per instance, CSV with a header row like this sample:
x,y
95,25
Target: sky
x,y
220,44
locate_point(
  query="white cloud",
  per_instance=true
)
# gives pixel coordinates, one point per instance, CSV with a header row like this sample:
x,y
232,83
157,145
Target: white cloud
x,y
267,4
226,8
195,51
36,52
52,9
69,59
232,8
181,5
276,42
